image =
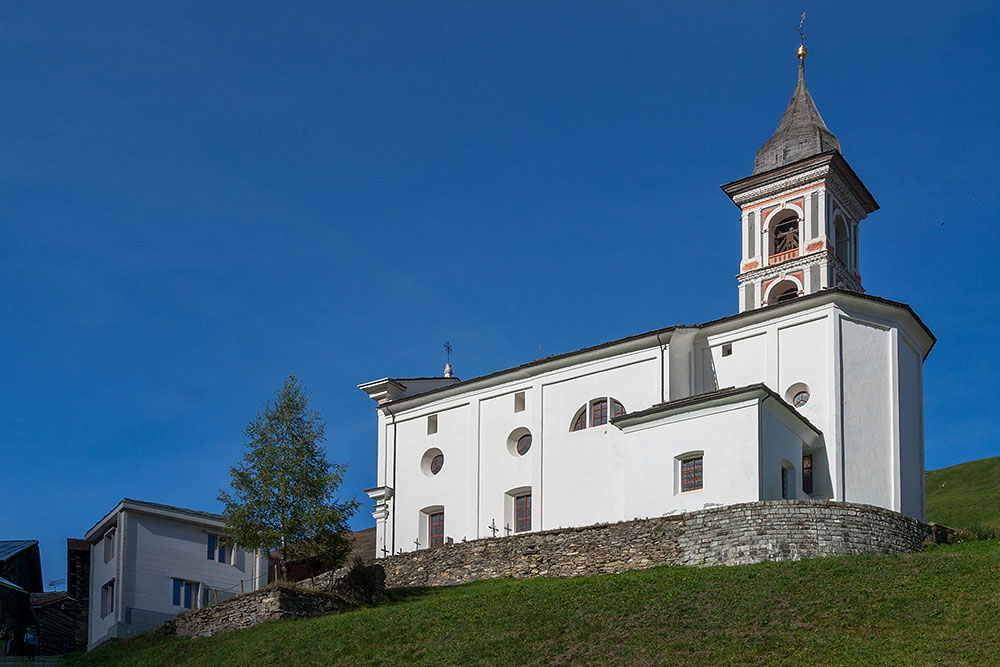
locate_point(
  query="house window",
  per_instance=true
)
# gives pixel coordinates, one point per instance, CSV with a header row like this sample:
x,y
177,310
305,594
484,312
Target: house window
x,y
727,349
523,444
599,412
522,513
691,474
107,598
109,545
185,593
435,529
217,550
807,473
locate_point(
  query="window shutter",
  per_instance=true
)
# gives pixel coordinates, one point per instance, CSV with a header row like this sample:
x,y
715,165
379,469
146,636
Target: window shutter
x,y
814,225
751,234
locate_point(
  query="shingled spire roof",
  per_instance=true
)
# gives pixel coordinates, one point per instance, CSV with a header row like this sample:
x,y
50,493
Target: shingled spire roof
x,y
801,132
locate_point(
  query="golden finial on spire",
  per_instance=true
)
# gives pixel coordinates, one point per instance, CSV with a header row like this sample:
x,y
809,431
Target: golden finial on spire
x,y
802,39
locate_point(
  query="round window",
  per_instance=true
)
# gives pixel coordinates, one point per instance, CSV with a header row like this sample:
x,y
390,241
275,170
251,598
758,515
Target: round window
x,y
800,399
432,461
797,394
523,444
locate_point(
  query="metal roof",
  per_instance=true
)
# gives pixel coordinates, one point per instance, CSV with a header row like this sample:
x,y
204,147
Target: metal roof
x,y
10,547
801,132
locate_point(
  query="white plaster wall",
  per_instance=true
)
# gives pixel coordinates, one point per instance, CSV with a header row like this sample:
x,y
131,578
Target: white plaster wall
x,y
100,574
746,365
728,437
780,445
453,487
501,471
866,373
162,550
583,471
911,431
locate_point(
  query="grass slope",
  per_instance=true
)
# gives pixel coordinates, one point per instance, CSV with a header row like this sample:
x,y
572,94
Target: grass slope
x,y
966,496
940,606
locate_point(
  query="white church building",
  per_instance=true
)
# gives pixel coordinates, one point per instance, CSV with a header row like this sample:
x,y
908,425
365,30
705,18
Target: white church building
x,y
813,390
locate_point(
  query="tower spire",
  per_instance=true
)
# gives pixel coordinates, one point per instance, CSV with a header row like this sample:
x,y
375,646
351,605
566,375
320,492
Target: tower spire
x,y
801,132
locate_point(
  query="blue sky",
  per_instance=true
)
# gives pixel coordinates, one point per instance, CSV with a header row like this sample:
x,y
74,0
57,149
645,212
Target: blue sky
x,y
200,198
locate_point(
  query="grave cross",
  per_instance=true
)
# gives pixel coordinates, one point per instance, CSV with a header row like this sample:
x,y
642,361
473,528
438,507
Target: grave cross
x,y
417,542
506,527
493,527
385,552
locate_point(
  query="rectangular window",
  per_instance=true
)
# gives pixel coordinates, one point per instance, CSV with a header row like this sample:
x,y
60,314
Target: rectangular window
x,y
522,513
691,474
727,349
784,482
617,409
807,473
109,545
599,412
519,402
435,529
432,424
107,598
185,593
217,550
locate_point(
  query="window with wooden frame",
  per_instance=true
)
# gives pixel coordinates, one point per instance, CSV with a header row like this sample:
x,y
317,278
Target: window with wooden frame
x,y
522,513
107,598
599,412
597,409
185,593
109,545
435,529
692,474
807,473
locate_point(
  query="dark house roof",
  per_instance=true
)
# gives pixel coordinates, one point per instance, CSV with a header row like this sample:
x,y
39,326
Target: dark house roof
x,y
801,132
10,548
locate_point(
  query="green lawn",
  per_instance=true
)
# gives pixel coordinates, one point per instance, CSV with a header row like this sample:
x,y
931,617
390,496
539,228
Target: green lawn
x,y
966,496
937,607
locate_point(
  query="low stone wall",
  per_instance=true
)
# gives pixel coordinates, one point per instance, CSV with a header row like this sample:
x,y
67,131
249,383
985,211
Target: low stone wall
x,y
249,609
730,535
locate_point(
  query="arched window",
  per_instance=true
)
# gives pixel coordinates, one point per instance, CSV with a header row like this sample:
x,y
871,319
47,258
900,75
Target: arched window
x,y
784,233
783,291
597,409
843,242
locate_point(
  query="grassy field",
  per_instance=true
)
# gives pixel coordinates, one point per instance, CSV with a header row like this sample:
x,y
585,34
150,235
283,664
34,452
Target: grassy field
x,y
937,607
966,496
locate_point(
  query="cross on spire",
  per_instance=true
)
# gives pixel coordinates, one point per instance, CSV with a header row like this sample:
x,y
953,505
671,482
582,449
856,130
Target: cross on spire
x,y
447,367
802,34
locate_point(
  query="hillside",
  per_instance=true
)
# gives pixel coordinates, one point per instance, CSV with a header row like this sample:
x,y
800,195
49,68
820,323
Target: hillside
x,y
966,495
940,606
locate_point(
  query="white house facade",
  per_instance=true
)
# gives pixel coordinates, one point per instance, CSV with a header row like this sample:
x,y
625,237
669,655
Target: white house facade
x,y
149,562
813,390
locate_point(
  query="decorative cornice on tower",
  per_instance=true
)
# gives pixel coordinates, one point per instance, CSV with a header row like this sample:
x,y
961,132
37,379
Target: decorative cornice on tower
x,y
828,167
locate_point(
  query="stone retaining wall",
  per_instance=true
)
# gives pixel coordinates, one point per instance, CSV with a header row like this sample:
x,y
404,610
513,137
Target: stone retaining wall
x,y
252,608
730,535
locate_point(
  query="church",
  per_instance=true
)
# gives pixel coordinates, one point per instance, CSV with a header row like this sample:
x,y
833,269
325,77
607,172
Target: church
x,y
814,389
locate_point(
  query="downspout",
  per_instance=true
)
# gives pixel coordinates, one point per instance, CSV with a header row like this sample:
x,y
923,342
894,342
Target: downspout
x,y
663,371
385,474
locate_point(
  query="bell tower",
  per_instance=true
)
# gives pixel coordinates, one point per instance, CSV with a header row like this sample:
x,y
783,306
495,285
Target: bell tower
x,y
800,210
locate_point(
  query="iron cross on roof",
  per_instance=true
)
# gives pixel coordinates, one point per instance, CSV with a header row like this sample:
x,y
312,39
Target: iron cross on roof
x,y
449,349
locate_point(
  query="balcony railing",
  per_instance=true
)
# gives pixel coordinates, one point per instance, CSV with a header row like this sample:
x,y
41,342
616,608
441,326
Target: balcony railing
x,y
780,257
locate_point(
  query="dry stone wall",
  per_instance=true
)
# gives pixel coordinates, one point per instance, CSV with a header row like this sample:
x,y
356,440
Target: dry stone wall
x,y
730,535
249,609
